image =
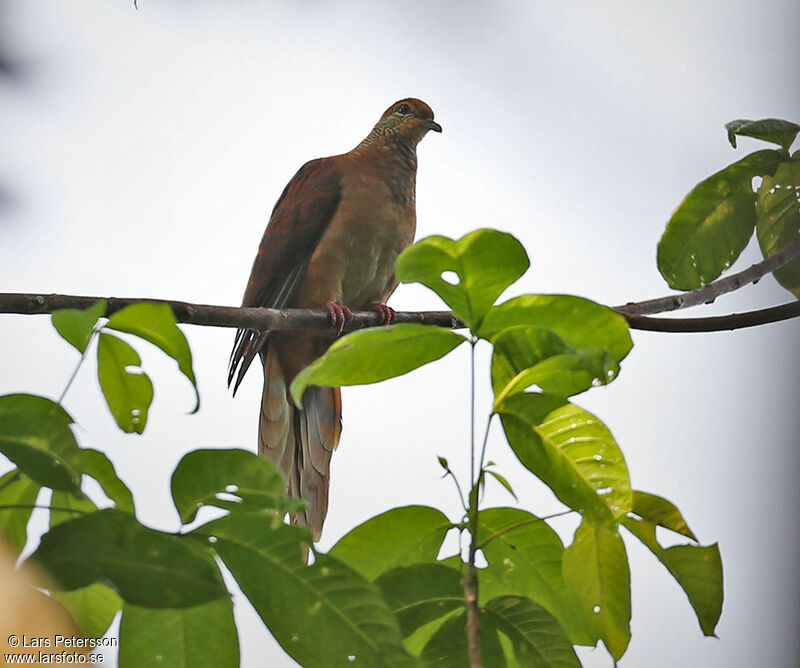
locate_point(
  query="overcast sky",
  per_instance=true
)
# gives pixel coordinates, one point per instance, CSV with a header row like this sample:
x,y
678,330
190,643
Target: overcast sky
x,y
143,150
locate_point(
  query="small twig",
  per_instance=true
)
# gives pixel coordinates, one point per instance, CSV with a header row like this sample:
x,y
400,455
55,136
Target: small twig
x,y
77,368
708,293
450,473
485,441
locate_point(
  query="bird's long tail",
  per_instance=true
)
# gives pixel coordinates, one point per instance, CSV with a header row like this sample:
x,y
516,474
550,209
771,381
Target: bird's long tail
x,y
300,442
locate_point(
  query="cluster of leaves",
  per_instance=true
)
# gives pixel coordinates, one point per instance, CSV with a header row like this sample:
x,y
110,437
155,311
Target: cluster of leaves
x,y
383,595
715,221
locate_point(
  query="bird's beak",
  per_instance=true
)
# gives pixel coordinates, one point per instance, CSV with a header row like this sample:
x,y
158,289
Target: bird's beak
x,y
431,125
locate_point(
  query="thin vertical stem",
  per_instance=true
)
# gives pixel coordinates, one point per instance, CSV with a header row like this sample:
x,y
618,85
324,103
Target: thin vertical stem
x,y
77,367
469,580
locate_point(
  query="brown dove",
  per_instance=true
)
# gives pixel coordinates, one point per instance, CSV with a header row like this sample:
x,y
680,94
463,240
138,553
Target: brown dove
x,y
331,243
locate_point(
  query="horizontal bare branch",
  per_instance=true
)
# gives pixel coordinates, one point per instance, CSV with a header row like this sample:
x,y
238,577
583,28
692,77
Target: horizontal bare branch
x,y
266,318
708,293
222,316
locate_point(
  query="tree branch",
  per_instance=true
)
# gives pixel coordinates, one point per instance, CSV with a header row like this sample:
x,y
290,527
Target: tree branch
x,y
708,293
266,318
717,323
222,316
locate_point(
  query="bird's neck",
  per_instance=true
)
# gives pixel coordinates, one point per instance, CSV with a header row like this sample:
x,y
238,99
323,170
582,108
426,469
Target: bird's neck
x,y
394,160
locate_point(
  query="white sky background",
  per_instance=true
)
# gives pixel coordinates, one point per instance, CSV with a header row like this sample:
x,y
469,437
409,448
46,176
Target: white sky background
x,y
144,151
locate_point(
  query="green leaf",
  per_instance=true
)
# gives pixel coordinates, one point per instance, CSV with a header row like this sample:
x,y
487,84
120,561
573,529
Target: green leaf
x,y
778,209
596,572
35,434
236,480
321,614
486,262
375,354
62,502
536,636
525,356
146,567
698,570
711,227
448,646
203,636
581,323
421,593
525,556
398,537
503,482
416,642
156,323
128,395
662,512
97,465
16,489
76,326
572,451
92,607
773,130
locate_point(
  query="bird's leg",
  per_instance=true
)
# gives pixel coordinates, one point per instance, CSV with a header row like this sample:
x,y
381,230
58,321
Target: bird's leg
x,y
387,313
340,315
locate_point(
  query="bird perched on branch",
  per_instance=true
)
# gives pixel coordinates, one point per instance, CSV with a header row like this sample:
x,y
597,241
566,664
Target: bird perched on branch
x,y
331,243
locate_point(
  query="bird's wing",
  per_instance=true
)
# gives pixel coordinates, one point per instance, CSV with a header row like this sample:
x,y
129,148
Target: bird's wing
x,y
299,219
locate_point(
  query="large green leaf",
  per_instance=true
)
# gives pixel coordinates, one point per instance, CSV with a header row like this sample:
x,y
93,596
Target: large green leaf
x,y
536,637
375,354
525,556
325,614
773,130
76,326
35,434
127,394
97,465
596,572
525,356
581,323
572,451
711,227
778,208
16,489
92,607
236,480
421,593
697,568
398,537
156,323
486,263
203,636
447,648
662,512
146,567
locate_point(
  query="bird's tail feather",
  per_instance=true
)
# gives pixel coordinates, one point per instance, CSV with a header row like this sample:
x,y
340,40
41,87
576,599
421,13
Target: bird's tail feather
x,y
300,442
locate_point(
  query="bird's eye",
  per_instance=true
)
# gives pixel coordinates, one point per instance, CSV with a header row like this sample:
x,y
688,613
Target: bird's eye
x,y
403,109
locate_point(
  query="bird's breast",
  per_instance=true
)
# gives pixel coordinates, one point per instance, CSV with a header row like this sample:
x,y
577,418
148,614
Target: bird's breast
x,y
356,255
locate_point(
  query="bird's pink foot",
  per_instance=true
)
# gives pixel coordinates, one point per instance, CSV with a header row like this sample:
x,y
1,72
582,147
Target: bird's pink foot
x,y
340,315
387,313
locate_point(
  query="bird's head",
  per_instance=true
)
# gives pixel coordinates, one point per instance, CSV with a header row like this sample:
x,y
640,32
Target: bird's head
x,y
408,119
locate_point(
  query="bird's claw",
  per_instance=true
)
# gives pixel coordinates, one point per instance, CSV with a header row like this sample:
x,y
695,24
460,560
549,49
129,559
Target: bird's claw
x,y
340,315
387,313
